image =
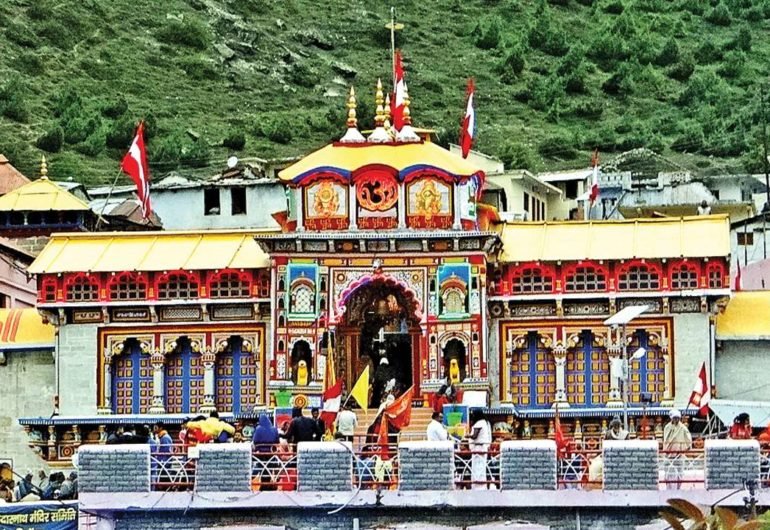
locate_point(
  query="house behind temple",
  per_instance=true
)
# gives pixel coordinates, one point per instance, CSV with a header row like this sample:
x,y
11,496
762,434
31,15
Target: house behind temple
x,y
242,196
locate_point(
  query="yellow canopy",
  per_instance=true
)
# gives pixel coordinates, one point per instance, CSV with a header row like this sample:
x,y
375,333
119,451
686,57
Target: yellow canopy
x,y
344,159
41,195
150,251
690,237
23,329
746,317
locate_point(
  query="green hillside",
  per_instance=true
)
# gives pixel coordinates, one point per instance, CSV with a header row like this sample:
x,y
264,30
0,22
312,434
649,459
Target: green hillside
x,y
554,79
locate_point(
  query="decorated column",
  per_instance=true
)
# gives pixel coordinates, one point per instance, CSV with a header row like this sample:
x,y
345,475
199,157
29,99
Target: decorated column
x,y
560,358
158,361
106,406
614,351
209,381
668,396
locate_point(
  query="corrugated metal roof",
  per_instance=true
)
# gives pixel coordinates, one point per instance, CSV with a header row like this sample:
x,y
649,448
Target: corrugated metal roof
x,y
10,177
692,237
155,251
41,195
746,317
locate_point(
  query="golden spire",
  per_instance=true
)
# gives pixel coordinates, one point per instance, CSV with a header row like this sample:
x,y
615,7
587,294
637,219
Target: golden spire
x,y
379,134
43,168
407,132
352,135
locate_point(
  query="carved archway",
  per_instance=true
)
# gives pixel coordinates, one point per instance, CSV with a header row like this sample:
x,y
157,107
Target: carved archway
x,y
379,280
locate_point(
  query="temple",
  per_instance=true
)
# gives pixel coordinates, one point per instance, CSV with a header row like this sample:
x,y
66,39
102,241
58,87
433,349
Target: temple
x,y
385,252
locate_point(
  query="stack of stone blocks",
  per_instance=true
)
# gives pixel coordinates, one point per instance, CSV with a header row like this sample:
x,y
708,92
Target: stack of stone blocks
x,y
426,466
630,464
114,468
528,465
324,466
731,463
223,467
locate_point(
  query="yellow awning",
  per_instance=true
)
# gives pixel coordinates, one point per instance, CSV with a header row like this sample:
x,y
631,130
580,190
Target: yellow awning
x,y
150,251
746,317
22,329
690,237
343,160
41,195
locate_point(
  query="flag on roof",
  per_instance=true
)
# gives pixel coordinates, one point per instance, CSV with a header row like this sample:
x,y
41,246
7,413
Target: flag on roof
x,y
134,165
469,121
594,193
701,393
400,93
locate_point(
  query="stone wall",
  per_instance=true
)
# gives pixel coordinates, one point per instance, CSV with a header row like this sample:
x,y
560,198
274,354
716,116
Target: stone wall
x,y
114,468
78,355
426,465
528,465
27,381
732,379
729,463
223,467
630,465
325,466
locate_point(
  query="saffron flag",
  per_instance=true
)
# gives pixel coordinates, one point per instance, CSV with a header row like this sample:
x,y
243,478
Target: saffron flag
x,y
469,122
332,397
701,394
360,390
562,442
594,193
134,165
400,93
398,414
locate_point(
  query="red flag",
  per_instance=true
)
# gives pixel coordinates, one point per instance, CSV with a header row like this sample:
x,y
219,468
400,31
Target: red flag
x,y
701,394
594,194
134,165
332,397
400,93
562,442
469,122
398,414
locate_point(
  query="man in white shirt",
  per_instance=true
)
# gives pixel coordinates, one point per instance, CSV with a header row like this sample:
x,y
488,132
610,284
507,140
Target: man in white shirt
x,y
436,430
346,424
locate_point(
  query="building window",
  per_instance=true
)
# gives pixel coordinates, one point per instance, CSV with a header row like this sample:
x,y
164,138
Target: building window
x,y
532,280
211,201
229,285
132,381
639,278
238,376
128,286
82,289
715,276
746,238
585,278
571,189
48,292
238,201
526,202
177,285
684,276
303,300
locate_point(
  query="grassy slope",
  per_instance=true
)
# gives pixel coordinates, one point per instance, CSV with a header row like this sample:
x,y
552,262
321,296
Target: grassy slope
x,y
281,87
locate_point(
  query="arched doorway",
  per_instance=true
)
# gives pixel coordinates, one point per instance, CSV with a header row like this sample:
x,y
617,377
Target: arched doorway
x,y
454,356
380,328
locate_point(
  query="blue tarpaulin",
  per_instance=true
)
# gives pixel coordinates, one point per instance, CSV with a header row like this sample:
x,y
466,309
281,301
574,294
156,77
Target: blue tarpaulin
x,y
39,516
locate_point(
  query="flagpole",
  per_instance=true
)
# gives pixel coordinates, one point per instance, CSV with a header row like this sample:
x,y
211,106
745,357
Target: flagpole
x,y
107,200
393,44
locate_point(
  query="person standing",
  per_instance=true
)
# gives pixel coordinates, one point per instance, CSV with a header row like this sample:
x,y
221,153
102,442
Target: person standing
x,y
347,421
616,430
319,425
481,438
163,439
741,427
301,428
676,440
436,431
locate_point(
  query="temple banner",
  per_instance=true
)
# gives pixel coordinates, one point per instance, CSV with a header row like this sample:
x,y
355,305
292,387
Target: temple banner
x,y
39,516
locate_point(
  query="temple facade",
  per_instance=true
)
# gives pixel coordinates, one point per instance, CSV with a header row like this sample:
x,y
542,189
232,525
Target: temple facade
x,y
385,252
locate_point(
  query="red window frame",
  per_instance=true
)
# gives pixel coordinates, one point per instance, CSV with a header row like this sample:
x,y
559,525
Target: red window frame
x,y
678,267
216,279
651,268
132,277
572,270
547,279
164,279
81,279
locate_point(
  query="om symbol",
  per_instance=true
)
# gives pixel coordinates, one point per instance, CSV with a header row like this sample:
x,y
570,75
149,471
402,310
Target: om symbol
x,y
376,192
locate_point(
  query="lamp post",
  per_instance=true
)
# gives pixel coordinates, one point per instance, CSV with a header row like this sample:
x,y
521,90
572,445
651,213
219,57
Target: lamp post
x,y
622,318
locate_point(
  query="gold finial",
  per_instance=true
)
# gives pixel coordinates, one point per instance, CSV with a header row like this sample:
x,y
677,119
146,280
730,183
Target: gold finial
x,y
43,168
388,115
379,97
407,132
407,114
352,121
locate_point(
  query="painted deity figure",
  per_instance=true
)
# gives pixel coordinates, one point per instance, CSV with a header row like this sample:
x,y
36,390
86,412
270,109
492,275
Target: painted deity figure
x,y
326,201
428,200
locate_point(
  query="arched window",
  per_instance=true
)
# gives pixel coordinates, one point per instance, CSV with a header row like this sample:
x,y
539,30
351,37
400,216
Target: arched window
x,y
715,273
230,284
177,285
585,278
128,286
639,277
684,276
302,300
82,288
532,280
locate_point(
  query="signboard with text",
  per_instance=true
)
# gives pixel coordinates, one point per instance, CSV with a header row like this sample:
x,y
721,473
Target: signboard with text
x,y
39,516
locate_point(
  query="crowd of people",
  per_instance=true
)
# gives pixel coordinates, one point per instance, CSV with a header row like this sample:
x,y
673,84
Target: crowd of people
x,y
57,486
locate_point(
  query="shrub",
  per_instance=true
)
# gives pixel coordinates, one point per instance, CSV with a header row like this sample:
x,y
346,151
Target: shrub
x,y
559,2
278,130
21,34
190,33
621,82
30,63
302,75
733,65
490,34
742,41
92,146
669,54
694,6
120,135
515,62
545,93
607,50
585,2
719,15
52,140
236,141
195,154
77,129
691,139
754,14
682,70
707,52
558,146
516,155
12,103
703,88
592,108
199,69
115,108
614,7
